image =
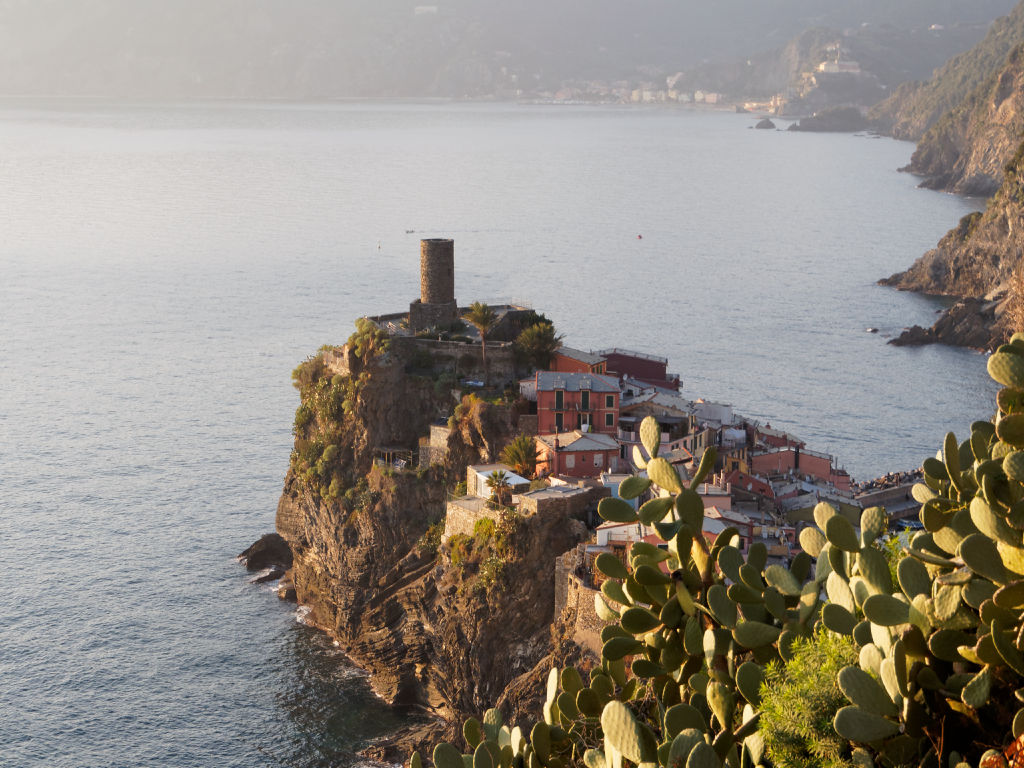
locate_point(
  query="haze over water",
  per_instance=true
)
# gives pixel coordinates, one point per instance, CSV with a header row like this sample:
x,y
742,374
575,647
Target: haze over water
x,y
166,266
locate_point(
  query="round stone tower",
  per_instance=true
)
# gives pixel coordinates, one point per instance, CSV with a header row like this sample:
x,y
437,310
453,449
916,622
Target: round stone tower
x,y
436,307
437,271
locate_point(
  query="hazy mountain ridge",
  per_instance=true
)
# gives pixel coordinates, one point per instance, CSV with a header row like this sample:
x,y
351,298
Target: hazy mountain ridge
x,y
323,49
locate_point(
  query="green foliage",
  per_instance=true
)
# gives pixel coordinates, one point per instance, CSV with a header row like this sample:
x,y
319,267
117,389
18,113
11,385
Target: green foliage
x,y
460,547
536,345
483,318
522,455
430,542
501,491
308,372
799,700
368,341
483,529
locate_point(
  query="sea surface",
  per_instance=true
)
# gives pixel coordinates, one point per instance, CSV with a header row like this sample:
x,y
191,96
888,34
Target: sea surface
x,y
163,267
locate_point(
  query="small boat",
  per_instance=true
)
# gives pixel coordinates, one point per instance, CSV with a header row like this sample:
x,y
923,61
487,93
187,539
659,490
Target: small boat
x,y
871,330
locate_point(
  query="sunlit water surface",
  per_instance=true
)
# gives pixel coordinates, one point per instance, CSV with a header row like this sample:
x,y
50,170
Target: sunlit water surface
x,y
163,268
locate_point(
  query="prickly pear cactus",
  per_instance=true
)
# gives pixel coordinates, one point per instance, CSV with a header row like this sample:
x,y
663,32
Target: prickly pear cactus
x,y
693,623
941,660
691,626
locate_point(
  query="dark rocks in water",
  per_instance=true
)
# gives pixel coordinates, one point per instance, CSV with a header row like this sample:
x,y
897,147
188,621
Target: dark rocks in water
x,y
765,123
968,323
286,588
272,575
271,551
837,120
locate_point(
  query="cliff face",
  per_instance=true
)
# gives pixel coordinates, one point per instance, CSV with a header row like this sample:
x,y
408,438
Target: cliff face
x,y
914,108
966,151
979,255
976,261
448,629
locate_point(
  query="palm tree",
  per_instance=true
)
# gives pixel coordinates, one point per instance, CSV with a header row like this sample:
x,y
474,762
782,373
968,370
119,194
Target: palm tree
x,y
483,318
522,455
537,344
497,481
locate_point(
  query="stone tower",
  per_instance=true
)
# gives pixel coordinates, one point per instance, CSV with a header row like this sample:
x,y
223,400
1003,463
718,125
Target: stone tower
x,y
436,306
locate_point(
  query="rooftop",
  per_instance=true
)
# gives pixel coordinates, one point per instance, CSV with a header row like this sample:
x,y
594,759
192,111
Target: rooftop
x,y
548,381
590,358
580,441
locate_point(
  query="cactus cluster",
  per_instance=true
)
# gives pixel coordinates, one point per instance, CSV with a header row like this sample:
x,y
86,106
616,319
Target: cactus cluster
x,y
692,624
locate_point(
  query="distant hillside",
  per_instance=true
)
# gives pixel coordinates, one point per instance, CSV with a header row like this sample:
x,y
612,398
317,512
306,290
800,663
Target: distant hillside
x,y
890,55
330,48
915,107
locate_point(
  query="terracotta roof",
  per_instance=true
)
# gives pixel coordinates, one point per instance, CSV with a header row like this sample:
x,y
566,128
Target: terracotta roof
x,y
581,441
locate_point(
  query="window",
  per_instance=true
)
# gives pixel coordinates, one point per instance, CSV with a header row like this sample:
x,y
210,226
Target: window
x,y
609,419
559,399
558,422
585,400
609,401
597,460
570,461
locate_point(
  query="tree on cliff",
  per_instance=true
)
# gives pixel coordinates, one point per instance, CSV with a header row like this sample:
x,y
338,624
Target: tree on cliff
x,y
497,481
522,455
537,344
483,318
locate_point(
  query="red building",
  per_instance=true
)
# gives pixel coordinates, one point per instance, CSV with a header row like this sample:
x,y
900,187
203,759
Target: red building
x,y
569,360
649,369
584,401
575,454
805,462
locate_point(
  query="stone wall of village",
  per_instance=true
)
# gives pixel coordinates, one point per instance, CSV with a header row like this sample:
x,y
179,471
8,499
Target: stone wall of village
x,y
574,602
569,505
461,519
462,358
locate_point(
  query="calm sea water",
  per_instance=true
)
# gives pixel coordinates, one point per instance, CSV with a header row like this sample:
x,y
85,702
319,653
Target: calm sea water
x,y
164,267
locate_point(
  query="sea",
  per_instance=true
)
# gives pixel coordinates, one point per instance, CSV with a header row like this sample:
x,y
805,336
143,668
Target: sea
x,y
164,267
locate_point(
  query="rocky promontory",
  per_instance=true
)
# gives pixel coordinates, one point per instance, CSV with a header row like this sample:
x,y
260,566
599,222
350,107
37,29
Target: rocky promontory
x,y
977,262
446,627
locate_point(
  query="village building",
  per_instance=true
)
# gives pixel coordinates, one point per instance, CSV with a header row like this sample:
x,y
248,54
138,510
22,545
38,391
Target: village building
x,y
800,461
650,369
477,476
569,360
577,454
566,401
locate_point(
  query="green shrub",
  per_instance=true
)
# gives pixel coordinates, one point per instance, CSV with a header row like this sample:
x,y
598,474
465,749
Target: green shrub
x,y
799,700
430,541
483,529
461,547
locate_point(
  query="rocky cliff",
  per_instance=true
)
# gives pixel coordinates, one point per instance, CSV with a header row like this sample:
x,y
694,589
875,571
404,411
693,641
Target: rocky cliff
x,y
977,261
446,628
915,107
965,152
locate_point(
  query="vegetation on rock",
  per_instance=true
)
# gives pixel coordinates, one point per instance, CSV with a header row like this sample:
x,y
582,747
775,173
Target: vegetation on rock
x,y
483,318
693,627
536,345
522,455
